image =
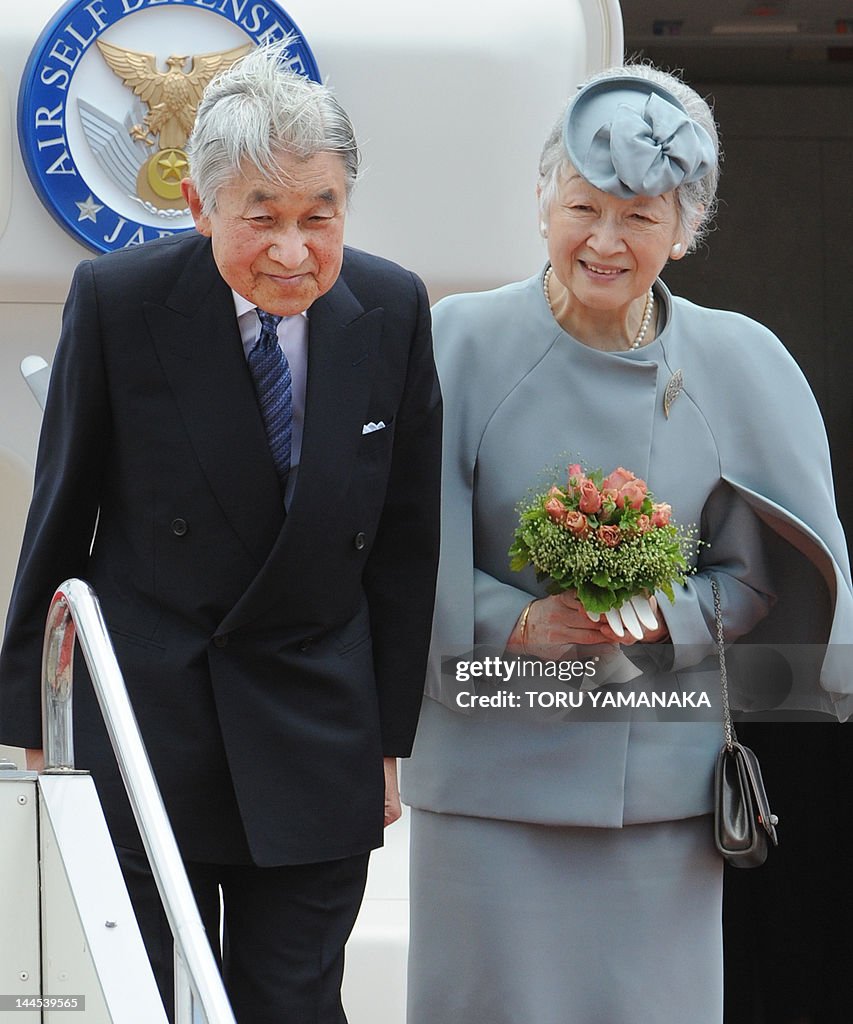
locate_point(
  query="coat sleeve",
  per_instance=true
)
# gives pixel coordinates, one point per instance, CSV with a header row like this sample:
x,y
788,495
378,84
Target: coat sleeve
x,y
733,552
399,577
75,439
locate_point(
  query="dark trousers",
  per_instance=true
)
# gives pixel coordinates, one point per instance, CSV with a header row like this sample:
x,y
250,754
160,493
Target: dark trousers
x,y
284,931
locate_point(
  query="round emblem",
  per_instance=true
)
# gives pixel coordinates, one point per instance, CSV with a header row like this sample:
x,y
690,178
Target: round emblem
x,y
108,100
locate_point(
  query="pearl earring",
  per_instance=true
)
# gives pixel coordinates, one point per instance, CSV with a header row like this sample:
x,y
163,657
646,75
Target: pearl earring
x,y
543,229
676,249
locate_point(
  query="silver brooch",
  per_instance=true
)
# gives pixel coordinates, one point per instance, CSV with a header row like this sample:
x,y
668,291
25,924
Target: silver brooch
x,y
673,389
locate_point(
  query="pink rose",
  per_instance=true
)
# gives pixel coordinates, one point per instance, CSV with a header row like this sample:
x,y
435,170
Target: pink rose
x,y
576,522
554,492
556,510
575,471
617,480
644,524
633,493
590,498
660,514
625,488
609,535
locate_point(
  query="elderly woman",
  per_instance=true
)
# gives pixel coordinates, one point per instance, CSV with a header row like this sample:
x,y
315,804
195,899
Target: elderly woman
x,y
565,870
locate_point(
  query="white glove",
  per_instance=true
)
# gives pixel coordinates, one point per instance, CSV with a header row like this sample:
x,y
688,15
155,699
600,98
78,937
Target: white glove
x,y
633,615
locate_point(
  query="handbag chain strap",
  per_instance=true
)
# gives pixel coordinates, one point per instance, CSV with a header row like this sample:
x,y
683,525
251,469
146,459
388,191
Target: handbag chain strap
x,y
728,725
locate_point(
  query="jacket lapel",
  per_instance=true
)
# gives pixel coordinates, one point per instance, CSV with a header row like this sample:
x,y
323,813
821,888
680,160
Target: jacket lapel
x,y
343,342
197,342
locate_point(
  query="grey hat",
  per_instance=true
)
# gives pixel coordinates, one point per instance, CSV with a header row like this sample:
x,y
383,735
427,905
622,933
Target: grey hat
x,y
632,137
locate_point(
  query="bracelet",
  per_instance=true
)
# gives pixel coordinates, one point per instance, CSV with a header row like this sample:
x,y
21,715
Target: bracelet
x,y
522,626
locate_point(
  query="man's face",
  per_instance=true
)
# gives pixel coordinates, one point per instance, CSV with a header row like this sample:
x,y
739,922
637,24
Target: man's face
x,y
278,245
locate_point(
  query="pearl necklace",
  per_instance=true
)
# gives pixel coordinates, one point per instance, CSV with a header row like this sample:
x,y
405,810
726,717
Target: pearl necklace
x,y
648,309
647,319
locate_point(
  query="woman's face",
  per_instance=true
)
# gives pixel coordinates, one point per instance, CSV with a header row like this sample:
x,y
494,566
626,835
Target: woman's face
x,y
608,251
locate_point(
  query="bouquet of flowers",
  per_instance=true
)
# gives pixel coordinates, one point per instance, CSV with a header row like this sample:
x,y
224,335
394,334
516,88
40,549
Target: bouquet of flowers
x,y
605,537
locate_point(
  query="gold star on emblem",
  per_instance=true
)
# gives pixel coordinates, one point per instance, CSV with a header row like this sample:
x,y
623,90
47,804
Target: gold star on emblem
x,y
88,210
172,165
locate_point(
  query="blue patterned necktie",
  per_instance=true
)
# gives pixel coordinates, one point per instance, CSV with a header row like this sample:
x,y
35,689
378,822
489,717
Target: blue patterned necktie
x,y
274,388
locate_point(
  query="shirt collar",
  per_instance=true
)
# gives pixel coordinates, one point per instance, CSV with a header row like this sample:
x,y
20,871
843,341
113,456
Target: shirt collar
x,y
242,305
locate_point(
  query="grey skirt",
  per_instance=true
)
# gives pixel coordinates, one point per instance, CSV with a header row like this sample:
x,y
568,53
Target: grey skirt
x,y
515,923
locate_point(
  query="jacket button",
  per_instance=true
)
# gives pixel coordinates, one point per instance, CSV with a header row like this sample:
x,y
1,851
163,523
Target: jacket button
x,y
306,644
179,527
221,640
358,541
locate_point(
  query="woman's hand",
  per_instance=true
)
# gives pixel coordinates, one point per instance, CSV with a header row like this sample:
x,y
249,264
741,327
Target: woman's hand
x,y
551,626
636,616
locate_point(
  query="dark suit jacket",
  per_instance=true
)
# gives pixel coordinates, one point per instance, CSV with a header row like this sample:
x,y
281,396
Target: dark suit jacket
x,y
271,661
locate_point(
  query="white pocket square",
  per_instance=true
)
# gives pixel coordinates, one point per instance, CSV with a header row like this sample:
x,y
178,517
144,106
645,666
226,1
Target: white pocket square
x,y
369,428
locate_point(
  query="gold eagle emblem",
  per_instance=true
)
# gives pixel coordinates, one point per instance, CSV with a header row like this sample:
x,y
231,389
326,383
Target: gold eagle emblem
x,y
172,98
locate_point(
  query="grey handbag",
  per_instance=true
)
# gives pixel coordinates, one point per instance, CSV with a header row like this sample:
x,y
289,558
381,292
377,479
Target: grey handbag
x,y
743,821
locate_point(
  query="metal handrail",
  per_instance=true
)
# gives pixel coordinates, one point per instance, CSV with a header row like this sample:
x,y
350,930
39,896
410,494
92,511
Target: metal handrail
x,y
75,613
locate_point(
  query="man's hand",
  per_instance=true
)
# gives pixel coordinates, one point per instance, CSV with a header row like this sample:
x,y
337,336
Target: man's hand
x,y
35,760
393,808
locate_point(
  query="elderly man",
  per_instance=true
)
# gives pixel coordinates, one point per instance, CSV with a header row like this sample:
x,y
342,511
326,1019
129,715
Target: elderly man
x,y
240,453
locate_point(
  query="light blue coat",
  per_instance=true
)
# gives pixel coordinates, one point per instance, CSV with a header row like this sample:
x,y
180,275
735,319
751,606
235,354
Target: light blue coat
x,y
743,448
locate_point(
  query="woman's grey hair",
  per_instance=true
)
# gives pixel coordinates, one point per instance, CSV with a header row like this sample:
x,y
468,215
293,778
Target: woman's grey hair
x,y
259,108
697,201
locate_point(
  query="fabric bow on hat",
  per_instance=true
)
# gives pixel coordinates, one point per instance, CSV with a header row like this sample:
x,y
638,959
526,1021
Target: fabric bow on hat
x,y
648,152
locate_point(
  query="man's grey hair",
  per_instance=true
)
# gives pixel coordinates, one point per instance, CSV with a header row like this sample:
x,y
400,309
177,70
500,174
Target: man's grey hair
x,y
697,201
258,109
